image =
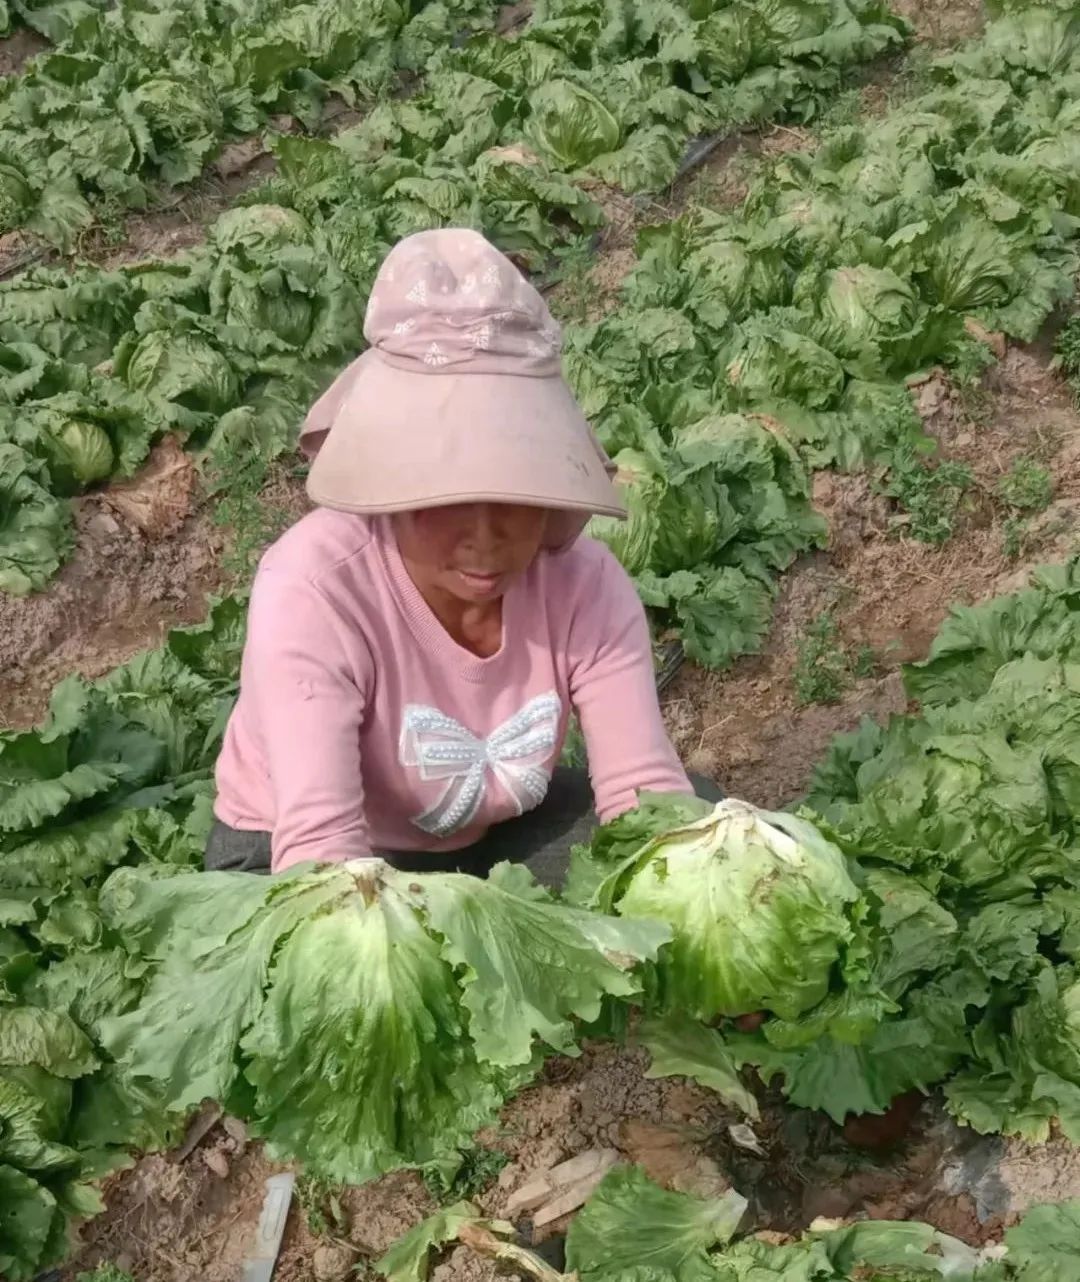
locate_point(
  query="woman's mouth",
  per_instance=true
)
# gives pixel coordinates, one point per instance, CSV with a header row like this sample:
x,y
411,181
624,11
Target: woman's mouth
x,y
478,582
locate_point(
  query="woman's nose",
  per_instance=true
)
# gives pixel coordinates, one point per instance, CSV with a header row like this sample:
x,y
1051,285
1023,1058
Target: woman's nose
x,y
482,528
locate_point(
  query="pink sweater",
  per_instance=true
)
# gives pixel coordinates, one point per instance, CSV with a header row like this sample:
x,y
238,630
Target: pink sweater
x,y
362,725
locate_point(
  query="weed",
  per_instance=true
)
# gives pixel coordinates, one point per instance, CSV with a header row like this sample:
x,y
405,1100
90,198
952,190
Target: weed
x,y
1013,537
477,1169
105,1273
969,360
930,496
572,294
824,666
864,662
574,753
1067,349
320,1202
236,481
845,109
109,229
968,363
1026,487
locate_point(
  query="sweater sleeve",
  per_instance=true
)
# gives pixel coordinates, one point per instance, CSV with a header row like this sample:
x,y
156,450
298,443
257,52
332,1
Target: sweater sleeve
x,y
613,690
309,702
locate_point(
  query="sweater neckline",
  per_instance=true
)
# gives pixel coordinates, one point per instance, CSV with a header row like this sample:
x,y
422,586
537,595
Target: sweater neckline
x,y
425,624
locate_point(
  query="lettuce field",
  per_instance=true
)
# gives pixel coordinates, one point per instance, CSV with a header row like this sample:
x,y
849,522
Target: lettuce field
x,y
816,266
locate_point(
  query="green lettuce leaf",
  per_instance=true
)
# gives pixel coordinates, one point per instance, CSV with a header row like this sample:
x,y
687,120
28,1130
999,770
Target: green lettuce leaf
x,y
743,941
630,1223
35,527
1045,1244
461,978
682,1047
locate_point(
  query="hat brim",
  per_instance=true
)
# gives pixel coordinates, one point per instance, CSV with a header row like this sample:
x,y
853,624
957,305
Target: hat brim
x,y
402,440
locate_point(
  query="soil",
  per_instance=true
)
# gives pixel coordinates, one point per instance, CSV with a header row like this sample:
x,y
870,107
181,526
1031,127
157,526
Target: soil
x,y
118,595
141,566
192,1219
181,1221
18,48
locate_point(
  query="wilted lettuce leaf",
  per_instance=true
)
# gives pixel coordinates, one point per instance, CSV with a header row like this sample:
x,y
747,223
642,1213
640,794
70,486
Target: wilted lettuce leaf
x,y
410,1257
630,1223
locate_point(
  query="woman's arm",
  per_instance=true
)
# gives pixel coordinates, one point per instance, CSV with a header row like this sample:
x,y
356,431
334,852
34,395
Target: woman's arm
x,y
306,699
613,689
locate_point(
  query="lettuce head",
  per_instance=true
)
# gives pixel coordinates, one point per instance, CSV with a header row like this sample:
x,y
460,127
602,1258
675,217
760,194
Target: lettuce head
x,y
569,125
758,903
642,489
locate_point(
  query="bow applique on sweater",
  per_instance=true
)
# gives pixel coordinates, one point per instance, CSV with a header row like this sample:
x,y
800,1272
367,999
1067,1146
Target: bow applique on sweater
x,y
515,752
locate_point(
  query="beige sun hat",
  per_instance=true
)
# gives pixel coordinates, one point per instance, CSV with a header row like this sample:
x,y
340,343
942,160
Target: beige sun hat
x,y
460,397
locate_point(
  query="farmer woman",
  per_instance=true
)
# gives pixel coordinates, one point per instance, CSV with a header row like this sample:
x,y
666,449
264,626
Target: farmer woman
x,y
417,644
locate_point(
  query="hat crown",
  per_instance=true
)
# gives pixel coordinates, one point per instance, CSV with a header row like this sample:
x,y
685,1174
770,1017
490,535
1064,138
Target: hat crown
x,y
448,301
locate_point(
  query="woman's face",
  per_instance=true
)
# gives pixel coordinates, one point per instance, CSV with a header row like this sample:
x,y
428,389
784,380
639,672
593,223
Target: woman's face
x,y
470,550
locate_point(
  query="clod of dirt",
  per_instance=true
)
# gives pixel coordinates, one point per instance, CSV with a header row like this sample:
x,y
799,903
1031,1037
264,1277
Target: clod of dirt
x,y
332,1262
854,512
670,1156
236,1131
993,339
887,1129
932,397
217,1162
828,1202
158,500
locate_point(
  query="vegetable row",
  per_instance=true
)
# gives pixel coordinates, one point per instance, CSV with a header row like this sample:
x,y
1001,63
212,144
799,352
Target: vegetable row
x,y
228,344
185,79
145,93
748,346
848,271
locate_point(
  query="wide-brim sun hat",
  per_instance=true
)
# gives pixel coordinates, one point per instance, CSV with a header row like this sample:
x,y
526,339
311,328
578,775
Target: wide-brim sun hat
x,y
459,398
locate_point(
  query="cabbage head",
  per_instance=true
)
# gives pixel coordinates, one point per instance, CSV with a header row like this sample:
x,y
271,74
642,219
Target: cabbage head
x,y
78,453
642,489
775,361
749,279
183,368
259,228
185,120
264,308
758,902
695,522
570,126
861,305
